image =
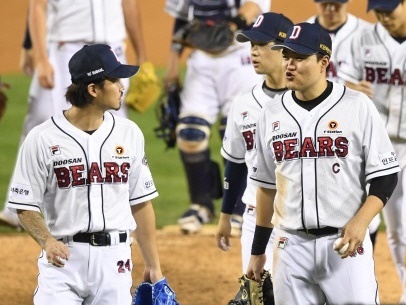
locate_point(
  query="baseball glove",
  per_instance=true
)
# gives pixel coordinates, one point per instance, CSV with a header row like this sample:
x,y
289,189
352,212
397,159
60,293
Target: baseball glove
x,y
206,35
159,293
254,293
144,89
167,113
3,98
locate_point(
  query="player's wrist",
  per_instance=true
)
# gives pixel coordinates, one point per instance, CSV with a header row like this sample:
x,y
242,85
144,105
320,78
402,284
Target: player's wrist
x,y
261,238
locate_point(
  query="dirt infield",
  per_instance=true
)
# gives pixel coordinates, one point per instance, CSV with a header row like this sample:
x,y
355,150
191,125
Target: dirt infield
x,y
199,272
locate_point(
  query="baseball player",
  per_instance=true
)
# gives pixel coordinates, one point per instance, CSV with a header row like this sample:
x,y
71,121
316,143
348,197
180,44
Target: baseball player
x,y
377,68
316,151
58,29
332,16
86,171
238,144
210,84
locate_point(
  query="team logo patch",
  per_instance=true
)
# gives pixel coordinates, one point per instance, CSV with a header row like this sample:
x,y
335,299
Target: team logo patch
x,y
332,125
275,126
282,242
119,150
244,115
55,150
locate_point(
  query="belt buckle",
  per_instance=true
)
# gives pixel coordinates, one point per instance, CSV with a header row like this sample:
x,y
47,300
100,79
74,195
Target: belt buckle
x,y
93,242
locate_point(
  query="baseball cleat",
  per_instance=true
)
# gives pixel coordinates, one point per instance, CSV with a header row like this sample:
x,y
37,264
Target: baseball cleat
x,y
236,225
194,218
10,221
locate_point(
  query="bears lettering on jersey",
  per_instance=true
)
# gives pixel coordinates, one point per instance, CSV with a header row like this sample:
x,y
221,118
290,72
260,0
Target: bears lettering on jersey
x,y
325,146
75,175
382,75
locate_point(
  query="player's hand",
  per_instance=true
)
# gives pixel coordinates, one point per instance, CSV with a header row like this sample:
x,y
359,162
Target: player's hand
x,y
27,62
57,252
224,232
363,86
256,267
45,74
152,275
353,233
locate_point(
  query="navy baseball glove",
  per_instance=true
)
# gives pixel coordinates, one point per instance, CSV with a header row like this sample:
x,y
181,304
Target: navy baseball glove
x,y
159,293
167,113
206,35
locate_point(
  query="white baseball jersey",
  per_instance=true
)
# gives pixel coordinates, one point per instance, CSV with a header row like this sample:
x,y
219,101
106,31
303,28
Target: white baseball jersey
x,y
239,143
380,59
91,21
239,147
82,182
342,43
321,160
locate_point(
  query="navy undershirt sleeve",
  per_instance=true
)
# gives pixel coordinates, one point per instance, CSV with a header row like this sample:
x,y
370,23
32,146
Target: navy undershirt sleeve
x,y
383,187
235,182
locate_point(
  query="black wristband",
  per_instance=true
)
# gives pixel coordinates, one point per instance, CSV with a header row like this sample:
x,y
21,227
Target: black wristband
x,y
261,238
240,22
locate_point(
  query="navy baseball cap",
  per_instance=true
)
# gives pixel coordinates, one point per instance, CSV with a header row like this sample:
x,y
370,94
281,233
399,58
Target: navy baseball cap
x,y
383,5
268,27
96,61
307,39
332,1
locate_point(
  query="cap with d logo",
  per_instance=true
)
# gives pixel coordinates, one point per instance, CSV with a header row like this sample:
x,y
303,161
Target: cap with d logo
x,y
268,27
307,39
97,61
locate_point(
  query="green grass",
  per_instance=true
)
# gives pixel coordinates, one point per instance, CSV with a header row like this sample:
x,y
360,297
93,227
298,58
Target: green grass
x,y
165,164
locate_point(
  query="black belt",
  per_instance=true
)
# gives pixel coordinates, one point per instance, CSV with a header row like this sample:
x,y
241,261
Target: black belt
x,y
98,238
320,232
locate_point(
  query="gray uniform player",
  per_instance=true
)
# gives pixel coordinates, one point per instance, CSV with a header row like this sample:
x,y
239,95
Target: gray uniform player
x,y
86,171
377,68
332,15
238,144
58,29
210,84
316,151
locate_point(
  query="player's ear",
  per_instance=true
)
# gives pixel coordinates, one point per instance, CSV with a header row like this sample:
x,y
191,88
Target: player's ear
x,y
91,89
325,62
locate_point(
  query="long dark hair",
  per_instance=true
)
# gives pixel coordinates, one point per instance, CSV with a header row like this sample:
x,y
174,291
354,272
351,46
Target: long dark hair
x,y
77,94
